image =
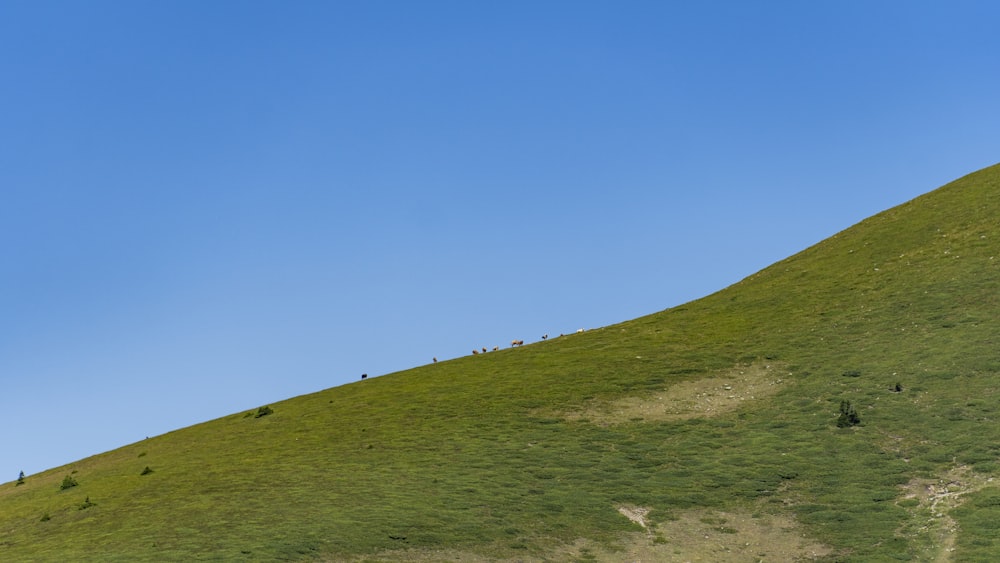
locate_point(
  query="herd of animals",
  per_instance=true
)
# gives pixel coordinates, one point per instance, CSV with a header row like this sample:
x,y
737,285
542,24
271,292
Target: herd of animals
x,y
513,344
483,350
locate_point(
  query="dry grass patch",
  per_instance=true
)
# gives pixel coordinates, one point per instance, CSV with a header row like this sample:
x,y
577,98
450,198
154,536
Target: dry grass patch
x,y
714,395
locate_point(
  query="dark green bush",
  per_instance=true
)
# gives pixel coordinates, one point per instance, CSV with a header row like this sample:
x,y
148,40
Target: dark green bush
x,y
146,471
263,411
848,415
87,504
68,482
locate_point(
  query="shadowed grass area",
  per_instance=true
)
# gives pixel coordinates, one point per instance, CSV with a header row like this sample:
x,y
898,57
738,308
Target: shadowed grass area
x,y
510,454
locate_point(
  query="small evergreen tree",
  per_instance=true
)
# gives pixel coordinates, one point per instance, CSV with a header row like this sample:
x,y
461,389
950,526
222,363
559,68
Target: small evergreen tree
x,y
848,415
20,479
67,483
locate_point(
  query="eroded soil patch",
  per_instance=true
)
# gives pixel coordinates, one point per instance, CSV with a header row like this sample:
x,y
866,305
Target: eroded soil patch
x,y
720,393
935,499
708,536
693,536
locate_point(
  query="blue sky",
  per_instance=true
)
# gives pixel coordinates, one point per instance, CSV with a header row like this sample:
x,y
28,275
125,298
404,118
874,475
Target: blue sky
x,y
210,206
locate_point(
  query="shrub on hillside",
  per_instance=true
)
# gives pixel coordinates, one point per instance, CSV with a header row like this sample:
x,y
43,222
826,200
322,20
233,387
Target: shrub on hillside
x,y
67,483
20,479
852,373
146,471
263,411
848,415
87,504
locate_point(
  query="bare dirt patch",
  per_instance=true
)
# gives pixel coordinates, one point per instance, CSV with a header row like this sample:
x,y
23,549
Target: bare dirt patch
x,y
694,536
434,556
717,394
708,537
636,514
935,499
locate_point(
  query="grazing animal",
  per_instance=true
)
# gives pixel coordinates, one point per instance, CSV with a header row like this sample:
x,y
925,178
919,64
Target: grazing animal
x,y
484,349
545,337
364,376
475,352
495,348
516,343
435,359
578,331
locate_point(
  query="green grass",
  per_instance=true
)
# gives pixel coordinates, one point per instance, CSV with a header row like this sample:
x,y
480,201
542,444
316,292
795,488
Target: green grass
x,y
474,455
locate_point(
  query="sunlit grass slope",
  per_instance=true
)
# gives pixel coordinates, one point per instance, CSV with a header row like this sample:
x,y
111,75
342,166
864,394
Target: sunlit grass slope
x,y
517,454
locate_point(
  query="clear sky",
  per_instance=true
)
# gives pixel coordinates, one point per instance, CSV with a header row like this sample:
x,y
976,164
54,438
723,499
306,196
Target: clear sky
x,y
207,206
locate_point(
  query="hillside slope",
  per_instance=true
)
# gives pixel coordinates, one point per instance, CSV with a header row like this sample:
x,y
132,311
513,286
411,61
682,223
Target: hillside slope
x,y
707,431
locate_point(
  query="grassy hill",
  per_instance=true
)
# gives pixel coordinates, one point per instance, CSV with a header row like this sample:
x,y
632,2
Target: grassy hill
x,y
711,431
